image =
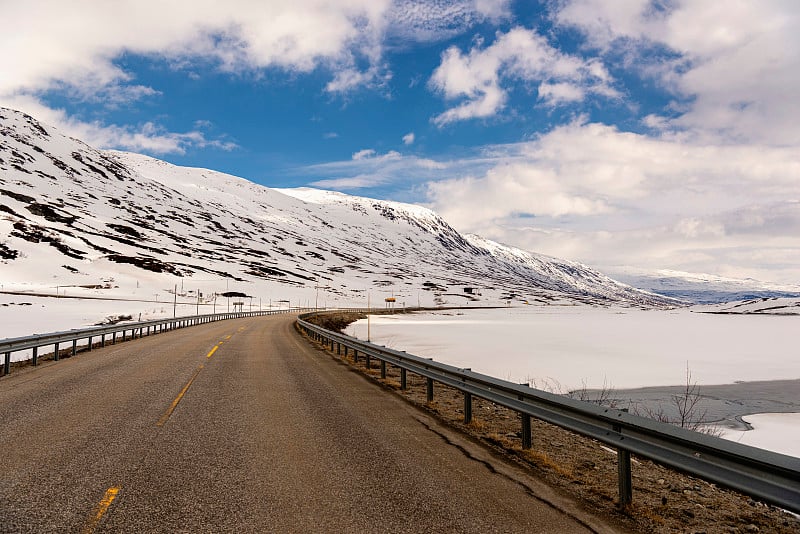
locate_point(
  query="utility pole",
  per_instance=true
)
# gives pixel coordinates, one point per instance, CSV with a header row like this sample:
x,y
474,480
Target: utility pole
x,y
174,301
368,315
197,311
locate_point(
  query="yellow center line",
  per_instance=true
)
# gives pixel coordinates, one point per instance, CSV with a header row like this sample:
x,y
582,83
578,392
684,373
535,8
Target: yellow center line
x,y
174,404
228,336
210,354
102,508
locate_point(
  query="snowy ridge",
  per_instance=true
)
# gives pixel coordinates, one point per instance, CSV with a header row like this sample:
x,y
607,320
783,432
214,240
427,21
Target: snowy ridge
x,y
703,288
111,223
558,274
760,306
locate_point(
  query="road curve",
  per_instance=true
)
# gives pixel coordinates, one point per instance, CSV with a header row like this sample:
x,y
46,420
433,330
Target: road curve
x,y
242,426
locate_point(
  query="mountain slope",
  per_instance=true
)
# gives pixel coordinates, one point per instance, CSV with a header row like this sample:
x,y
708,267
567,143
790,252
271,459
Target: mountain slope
x,y
114,223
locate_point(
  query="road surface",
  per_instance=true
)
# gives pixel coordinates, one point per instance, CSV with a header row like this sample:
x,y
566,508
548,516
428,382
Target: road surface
x,y
242,426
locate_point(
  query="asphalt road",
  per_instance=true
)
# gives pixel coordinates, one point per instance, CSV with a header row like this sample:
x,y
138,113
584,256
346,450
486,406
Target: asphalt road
x,y
242,426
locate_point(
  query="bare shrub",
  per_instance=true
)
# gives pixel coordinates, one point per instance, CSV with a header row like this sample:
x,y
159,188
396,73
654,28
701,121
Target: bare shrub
x,y
689,413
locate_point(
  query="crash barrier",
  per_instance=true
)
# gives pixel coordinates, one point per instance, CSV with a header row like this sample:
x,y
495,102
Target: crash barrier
x,y
766,475
70,342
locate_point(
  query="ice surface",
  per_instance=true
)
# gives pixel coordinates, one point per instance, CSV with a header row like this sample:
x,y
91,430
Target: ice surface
x,y
625,348
778,432
568,347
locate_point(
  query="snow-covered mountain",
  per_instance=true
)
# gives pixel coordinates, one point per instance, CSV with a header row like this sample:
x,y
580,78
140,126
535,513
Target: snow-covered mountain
x,y
704,288
105,223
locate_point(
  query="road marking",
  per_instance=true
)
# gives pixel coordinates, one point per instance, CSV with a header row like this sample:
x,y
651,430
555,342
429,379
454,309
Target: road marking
x,y
210,354
228,336
174,404
102,508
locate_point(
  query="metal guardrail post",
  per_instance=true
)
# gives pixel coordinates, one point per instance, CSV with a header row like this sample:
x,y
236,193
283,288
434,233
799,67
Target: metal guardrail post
x,y
403,382
383,369
55,352
429,390
368,362
526,431
624,473
7,364
467,408
35,355
102,340
74,347
90,343
355,356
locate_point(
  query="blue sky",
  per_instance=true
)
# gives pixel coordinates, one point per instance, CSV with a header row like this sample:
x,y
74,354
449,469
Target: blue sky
x,y
634,134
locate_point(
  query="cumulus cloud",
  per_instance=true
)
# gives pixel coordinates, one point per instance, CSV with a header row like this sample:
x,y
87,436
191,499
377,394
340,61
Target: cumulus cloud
x,y
56,47
363,154
477,78
733,67
408,139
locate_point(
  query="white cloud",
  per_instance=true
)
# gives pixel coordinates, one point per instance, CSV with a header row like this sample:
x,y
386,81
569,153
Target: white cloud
x,y
363,154
438,20
368,169
408,138
477,78
354,182
73,49
146,137
733,66
494,9
590,192
556,93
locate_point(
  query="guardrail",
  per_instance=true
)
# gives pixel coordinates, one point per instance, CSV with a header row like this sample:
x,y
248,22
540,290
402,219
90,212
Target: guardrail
x,y
772,477
137,329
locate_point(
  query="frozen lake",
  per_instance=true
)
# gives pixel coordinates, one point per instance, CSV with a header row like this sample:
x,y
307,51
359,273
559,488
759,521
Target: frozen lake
x,y
623,348
563,348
